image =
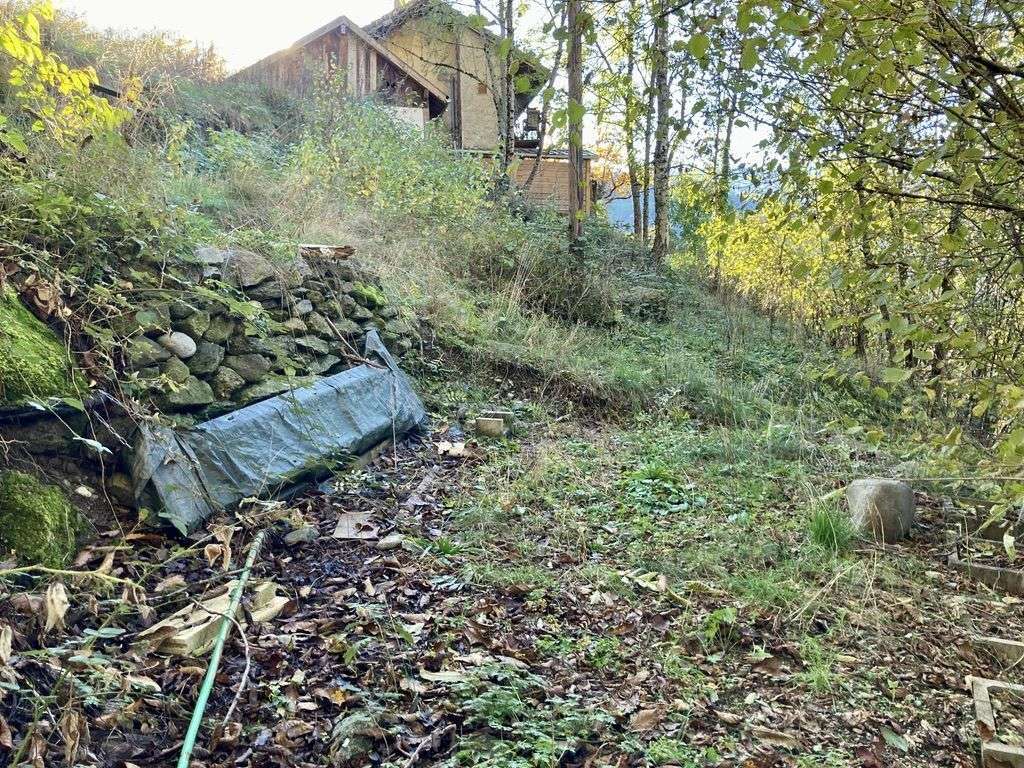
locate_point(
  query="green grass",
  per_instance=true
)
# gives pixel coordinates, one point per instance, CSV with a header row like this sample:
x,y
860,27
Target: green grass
x,y
830,529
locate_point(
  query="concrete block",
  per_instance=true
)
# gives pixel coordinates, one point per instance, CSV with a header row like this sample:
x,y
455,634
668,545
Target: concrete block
x,y
490,427
881,509
994,754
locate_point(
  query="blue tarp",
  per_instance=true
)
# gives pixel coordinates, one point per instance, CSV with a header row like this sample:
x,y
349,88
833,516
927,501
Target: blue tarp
x,y
262,449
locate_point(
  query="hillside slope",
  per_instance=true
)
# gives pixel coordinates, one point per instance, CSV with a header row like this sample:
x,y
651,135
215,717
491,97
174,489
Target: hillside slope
x,y
677,587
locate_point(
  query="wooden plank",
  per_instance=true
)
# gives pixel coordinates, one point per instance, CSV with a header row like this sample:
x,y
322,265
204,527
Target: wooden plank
x,y
1006,579
343,60
994,754
1010,652
367,90
353,55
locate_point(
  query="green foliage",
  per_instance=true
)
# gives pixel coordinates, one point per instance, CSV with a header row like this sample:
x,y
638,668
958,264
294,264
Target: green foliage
x,y
55,98
36,521
905,151
720,627
521,726
831,529
389,165
668,751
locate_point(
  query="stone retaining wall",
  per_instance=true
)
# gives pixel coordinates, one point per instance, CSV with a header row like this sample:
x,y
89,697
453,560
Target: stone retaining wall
x,y
254,328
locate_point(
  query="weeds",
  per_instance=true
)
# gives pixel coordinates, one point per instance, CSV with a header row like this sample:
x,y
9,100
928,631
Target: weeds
x,y
831,529
667,751
521,724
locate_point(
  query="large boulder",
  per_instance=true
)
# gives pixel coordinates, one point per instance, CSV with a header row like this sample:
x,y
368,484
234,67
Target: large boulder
x,y
36,521
33,361
245,269
881,509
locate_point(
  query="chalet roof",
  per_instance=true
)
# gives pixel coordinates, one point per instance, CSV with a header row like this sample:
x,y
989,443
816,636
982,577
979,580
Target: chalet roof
x,y
391,21
346,25
554,154
548,154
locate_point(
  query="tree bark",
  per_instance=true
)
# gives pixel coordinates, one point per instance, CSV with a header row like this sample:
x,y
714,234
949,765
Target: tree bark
x,y
545,113
648,140
507,112
630,136
660,83
575,123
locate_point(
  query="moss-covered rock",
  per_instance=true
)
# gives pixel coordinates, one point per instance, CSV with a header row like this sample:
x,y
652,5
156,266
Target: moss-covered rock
x,y
33,362
36,520
370,296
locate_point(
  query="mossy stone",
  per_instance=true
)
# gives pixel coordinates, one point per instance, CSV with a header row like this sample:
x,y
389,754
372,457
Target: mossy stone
x,y
175,370
220,329
36,520
33,362
195,325
368,295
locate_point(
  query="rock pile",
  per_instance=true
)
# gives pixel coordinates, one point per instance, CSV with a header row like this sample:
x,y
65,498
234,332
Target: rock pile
x,y
253,328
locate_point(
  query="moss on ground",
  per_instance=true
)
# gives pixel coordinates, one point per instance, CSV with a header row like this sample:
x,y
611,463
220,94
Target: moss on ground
x,y
36,521
33,362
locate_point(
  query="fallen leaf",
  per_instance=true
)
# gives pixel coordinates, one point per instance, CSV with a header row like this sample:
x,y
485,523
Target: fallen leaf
x,y
646,720
74,730
728,717
444,676
6,640
213,553
223,535
775,738
446,448
171,582
355,525
894,740
56,605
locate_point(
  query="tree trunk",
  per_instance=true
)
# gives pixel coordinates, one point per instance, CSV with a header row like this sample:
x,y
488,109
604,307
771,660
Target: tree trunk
x,y
507,112
545,112
726,180
575,123
941,349
659,80
630,131
648,138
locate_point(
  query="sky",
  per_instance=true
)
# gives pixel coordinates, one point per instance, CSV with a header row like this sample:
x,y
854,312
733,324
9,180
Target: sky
x,y
242,31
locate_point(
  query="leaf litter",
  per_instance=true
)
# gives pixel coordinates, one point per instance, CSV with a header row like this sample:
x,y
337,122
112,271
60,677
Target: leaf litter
x,y
426,651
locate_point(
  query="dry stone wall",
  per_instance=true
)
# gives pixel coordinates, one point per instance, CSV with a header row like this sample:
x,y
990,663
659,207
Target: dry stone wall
x,y
252,328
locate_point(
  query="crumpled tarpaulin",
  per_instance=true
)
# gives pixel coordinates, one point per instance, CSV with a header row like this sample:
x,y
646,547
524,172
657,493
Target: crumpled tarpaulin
x,y
264,448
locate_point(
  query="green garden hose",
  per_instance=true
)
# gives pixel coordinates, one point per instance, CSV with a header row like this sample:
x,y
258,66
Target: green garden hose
x,y
211,671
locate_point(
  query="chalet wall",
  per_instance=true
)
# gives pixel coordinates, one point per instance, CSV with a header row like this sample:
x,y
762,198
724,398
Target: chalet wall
x,y
551,184
431,48
365,72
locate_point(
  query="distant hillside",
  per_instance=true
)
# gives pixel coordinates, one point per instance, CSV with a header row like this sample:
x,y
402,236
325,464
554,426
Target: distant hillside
x,y
620,209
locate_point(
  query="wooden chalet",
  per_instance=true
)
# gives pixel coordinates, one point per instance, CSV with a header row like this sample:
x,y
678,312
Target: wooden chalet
x,y
428,62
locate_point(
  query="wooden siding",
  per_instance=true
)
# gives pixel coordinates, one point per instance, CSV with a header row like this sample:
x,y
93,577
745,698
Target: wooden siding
x,y
458,58
551,184
363,70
